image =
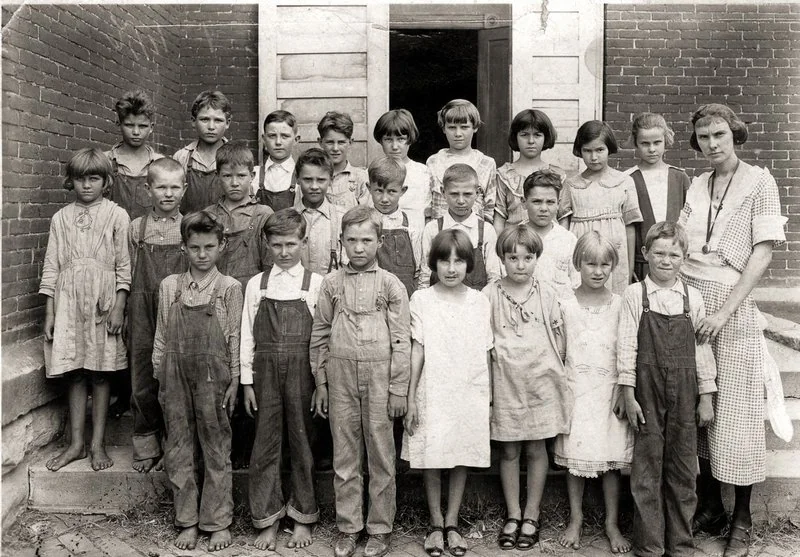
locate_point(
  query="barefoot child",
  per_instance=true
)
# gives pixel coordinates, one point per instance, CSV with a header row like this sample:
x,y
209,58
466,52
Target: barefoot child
x,y
154,241
396,131
531,399
459,120
131,156
211,117
86,277
277,380
360,357
401,248
277,181
554,266
447,422
600,442
664,372
196,362
660,188
460,192
531,133
601,198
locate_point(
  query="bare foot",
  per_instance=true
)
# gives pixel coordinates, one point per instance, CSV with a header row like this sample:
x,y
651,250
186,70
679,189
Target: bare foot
x,y
100,458
619,544
571,537
145,465
219,540
301,536
70,454
159,465
265,541
187,539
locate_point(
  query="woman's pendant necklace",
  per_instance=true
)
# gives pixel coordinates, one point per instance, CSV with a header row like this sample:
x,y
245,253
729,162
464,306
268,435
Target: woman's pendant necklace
x,y
706,249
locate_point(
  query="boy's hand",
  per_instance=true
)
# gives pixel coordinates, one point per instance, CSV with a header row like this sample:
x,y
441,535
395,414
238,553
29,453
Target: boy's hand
x,y
49,323
632,409
705,410
250,403
116,318
411,421
319,401
229,400
397,405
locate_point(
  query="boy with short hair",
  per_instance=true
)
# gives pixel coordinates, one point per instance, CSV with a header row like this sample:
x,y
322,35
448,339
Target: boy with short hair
x,y
350,186
541,190
460,192
131,156
196,362
277,180
314,174
401,249
361,365
277,380
211,117
240,215
664,373
154,242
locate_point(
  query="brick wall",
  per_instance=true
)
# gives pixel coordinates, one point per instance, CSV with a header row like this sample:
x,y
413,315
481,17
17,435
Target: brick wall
x,y
672,58
63,69
219,50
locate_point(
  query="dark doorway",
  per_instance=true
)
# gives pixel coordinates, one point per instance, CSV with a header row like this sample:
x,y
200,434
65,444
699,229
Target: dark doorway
x,y
428,68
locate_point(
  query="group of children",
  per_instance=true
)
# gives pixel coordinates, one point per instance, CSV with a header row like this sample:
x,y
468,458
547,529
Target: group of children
x,y
469,303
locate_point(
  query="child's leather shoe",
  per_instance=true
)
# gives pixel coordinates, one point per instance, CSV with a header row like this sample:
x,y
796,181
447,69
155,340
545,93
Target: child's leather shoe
x,y
377,545
345,545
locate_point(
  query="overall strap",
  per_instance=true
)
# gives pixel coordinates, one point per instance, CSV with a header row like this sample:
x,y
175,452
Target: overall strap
x,y
645,301
142,230
306,280
179,291
440,220
334,263
189,160
405,219
114,163
265,281
686,300
293,182
261,171
213,299
481,224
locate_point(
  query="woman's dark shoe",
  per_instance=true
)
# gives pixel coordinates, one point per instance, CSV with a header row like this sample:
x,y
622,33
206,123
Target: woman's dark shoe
x,y
527,541
709,523
508,540
738,542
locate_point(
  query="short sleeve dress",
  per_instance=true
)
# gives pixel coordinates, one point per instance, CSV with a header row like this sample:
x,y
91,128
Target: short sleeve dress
x,y
750,214
598,441
607,205
453,391
86,262
531,398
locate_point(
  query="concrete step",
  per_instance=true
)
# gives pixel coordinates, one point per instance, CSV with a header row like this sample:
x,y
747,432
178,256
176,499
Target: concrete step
x,y
76,488
788,361
773,441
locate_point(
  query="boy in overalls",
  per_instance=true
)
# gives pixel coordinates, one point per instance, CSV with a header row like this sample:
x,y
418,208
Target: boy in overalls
x,y
131,156
277,382
668,381
211,117
360,357
460,192
196,362
154,241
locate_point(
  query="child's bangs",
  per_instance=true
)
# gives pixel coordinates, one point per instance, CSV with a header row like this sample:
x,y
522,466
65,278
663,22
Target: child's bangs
x,y
594,248
461,114
89,162
520,235
448,242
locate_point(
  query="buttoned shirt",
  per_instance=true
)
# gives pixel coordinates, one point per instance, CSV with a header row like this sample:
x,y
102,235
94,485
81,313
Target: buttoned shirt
x,y
124,169
239,218
160,231
350,291
323,226
394,221
470,226
198,162
349,188
484,166
228,309
283,284
666,301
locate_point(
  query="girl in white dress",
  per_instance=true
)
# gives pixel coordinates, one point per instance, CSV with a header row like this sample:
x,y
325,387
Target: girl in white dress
x,y
447,423
600,442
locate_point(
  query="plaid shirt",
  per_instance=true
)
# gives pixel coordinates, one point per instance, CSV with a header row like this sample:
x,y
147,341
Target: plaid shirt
x,y
160,231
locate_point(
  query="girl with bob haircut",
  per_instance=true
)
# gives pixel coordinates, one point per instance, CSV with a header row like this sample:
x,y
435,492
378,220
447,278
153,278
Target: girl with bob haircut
x,y
451,339
532,401
660,187
531,132
733,219
600,441
602,199
86,278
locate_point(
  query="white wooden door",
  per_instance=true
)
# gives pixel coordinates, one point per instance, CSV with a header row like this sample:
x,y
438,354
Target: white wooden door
x,y
557,66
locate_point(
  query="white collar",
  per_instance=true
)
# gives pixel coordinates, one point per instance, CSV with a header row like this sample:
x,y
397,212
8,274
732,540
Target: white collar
x,y
287,164
470,222
294,272
653,287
